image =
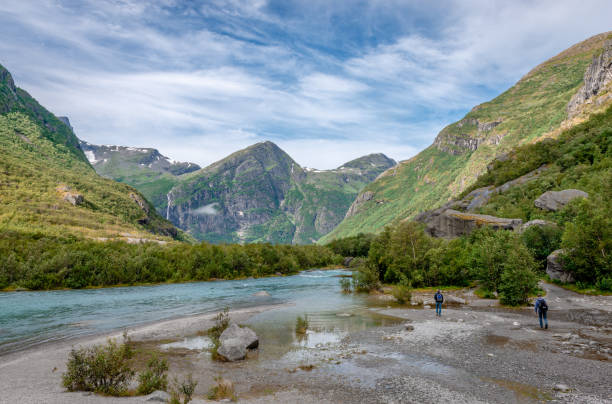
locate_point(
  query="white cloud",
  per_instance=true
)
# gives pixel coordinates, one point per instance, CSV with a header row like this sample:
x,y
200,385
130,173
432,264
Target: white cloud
x,y
127,73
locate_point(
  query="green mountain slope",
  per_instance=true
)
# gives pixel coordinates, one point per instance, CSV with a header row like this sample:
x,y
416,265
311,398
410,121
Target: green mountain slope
x,y
556,95
261,194
47,185
143,168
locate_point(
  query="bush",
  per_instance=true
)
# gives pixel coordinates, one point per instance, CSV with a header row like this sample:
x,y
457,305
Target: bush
x,y
155,377
402,292
182,389
102,368
541,241
587,241
604,284
301,325
516,285
345,284
365,279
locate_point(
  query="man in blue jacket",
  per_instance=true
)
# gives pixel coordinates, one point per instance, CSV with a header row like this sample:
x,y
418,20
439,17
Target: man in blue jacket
x,y
438,298
541,307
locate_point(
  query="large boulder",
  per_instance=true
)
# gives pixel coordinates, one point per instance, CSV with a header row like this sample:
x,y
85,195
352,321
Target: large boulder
x,y
234,342
555,200
554,267
451,223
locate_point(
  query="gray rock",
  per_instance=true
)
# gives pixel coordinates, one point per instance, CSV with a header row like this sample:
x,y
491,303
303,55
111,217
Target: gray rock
x,y
554,267
347,261
73,198
451,223
555,200
536,222
158,395
408,327
562,388
262,293
235,341
453,299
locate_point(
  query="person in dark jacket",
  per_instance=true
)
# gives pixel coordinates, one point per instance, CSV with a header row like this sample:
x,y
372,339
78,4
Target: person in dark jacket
x,y
541,307
438,298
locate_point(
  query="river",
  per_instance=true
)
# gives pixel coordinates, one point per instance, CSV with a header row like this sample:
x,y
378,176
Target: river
x,y
32,318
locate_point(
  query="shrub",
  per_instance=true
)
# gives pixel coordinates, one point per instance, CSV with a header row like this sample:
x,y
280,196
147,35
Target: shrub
x,y
222,321
101,368
365,279
224,389
516,285
301,324
345,284
541,241
182,389
402,292
604,284
155,377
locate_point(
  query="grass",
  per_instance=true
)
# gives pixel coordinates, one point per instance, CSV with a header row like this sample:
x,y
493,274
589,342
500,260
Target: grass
x,y
301,325
223,389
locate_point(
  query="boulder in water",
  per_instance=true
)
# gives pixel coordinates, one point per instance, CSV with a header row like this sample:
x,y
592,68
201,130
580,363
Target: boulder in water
x,y
234,342
262,293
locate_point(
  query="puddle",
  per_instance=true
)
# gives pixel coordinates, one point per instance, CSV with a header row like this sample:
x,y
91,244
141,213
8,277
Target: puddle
x,y
523,392
195,343
497,340
319,339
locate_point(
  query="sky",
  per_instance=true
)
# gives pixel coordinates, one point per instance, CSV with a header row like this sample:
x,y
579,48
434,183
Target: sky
x,y
327,81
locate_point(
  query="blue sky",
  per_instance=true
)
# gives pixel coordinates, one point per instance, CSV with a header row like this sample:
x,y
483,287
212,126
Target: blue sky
x,y
328,81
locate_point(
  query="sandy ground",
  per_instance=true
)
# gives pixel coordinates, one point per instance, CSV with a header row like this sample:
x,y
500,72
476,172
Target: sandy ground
x,y
477,353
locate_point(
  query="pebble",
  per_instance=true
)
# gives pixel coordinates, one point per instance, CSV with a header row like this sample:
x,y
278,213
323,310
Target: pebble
x,y
562,388
490,354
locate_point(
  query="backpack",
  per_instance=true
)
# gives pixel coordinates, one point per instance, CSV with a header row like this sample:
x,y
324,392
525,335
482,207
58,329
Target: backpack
x,y
439,297
543,305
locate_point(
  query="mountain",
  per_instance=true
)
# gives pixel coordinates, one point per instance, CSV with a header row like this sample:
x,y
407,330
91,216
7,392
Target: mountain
x,y
261,194
143,168
47,186
554,96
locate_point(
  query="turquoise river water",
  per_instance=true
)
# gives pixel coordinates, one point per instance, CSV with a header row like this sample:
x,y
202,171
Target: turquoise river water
x,y
32,318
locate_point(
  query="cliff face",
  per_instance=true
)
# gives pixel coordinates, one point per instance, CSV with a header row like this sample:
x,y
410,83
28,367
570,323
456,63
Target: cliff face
x,y
556,95
262,194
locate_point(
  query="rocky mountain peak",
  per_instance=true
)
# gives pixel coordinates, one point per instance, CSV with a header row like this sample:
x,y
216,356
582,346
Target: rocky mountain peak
x,y
370,160
7,80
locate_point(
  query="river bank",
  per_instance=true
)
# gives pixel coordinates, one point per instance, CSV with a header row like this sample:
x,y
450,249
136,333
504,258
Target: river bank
x,y
473,353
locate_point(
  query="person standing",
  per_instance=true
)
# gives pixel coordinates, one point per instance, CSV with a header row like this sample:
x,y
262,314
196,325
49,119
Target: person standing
x,y
541,307
438,298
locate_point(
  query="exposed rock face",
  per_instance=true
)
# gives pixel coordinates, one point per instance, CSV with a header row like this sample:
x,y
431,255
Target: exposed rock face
x,y
450,223
66,121
555,200
536,222
471,134
140,202
454,299
361,198
235,341
261,194
597,76
74,198
554,267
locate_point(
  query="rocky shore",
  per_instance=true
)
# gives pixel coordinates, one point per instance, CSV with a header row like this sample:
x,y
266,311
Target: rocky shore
x,y
474,353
